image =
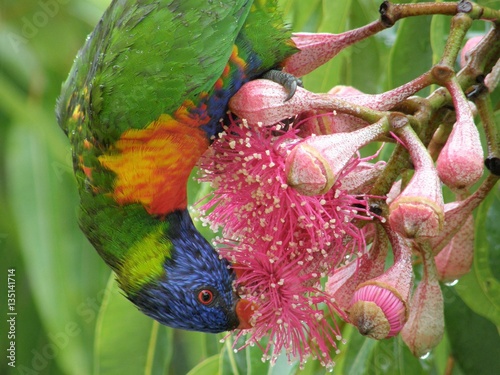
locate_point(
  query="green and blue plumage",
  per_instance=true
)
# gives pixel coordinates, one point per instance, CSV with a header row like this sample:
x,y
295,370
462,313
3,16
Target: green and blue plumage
x,y
143,98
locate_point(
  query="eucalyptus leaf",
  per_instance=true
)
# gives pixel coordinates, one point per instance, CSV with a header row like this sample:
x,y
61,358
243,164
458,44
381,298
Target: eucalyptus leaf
x,y
358,354
209,366
411,54
440,27
127,341
393,356
335,19
56,255
303,16
365,70
474,340
192,348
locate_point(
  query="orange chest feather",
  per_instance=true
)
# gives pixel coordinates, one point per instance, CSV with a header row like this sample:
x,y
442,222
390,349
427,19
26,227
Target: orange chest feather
x,y
152,165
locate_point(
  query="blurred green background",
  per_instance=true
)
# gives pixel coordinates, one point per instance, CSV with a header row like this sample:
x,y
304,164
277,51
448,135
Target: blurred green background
x,y
70,317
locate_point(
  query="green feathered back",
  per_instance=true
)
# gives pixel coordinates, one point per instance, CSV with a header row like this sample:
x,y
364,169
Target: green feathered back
x,y
146,57
142,62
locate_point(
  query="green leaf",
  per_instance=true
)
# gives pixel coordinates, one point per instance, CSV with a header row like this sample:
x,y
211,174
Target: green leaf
x,y
209,366
127,341
480,289
248,361
56,256
60,274
303,15
393,356
192,348
364,69
335,17
366,356
411,54
227,361
474,340
358,353
440,27
282,367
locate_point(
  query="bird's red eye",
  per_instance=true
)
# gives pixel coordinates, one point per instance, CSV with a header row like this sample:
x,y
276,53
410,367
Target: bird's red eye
x,y
205,296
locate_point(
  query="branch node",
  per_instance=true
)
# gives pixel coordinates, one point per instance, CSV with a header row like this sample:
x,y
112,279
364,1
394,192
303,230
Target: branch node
x,y
464,7
493,165
385,14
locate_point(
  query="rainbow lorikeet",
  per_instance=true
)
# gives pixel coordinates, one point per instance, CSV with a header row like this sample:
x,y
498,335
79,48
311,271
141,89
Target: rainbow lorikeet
x,y
144,97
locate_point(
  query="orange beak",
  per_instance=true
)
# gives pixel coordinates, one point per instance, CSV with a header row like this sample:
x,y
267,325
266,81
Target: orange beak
x,y
244,311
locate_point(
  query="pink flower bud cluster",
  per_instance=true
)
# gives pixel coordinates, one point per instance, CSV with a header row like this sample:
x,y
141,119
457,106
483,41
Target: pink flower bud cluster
x,y
290,194
281,242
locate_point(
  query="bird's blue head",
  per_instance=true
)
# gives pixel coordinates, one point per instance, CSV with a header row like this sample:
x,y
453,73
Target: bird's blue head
x,y
196,292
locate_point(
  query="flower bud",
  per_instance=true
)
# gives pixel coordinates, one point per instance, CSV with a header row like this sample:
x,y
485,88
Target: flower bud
x,y
455,260
264,102
342,284
324,123
467,49
314,164
418,210
385,100
361,178
454,247
460,163
315,49
441,135
379,307
458,212
345,91
425,326
492,78
394,192
413,214
452,220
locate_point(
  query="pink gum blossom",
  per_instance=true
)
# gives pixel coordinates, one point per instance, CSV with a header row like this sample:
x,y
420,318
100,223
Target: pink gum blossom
x,y
379,307
314,164
460,163
419,210
425,326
